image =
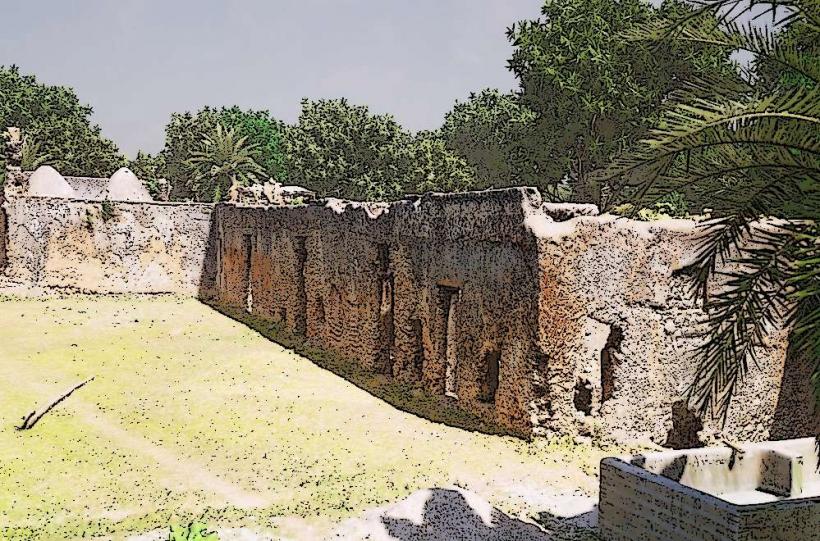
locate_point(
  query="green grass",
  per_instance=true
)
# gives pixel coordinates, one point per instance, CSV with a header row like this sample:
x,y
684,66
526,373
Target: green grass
x,y
193,415
412,399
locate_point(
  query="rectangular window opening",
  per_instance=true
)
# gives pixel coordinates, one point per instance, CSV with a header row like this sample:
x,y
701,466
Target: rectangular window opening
x,y
247,279
489,383
448,297
387,299
300,253
418,347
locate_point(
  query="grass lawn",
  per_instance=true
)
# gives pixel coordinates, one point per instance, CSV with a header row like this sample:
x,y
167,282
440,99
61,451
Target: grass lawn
x,y
192,414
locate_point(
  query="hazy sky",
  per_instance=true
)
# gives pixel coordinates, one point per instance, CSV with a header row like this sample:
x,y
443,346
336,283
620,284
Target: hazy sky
x,y
137,61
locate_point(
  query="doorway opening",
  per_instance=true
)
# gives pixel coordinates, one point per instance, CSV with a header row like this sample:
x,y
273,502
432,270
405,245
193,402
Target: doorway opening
x,y
300,253
489,381
448,299
247,277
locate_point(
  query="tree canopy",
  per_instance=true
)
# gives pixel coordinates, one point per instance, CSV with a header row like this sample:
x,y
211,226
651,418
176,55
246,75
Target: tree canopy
x,y
490,130
186,131
57,128
342,150
591,92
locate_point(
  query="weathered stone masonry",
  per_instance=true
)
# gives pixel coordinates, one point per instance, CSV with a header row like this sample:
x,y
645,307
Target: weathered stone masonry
x,y
514,310
102,246
578,326
617,325
440,290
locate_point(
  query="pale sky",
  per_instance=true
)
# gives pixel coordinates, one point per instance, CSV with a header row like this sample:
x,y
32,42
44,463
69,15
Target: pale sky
x,y
137,61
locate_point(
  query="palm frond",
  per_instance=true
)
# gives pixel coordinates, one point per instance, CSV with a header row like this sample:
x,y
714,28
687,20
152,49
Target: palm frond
x,y
750,155
805,289
784,125
704,29
782,12
222,160
33,156
703,121
748,306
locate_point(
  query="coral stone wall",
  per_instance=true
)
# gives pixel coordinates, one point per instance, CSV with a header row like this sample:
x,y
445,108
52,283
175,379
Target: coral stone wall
x,y
618,325
540,318
106,247
439,291
581,326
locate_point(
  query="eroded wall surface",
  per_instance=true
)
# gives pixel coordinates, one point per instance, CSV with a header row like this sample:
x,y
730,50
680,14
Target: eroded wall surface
x,y
618,325
539,318
582,326
440,292
105,247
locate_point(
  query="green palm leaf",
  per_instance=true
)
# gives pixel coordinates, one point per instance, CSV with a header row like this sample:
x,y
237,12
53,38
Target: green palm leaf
x,y
222,161
751,153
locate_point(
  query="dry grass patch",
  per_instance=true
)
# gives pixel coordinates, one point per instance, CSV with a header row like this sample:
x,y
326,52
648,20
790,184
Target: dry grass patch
x,y
192,414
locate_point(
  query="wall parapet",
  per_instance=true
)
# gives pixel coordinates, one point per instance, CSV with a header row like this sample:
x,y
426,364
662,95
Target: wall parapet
x,y
104,246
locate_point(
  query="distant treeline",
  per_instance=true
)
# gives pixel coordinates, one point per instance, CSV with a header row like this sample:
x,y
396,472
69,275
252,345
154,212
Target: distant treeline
x,y
586,92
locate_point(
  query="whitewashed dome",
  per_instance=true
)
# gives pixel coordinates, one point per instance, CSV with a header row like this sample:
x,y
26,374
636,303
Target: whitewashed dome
x,y
125,186
47,182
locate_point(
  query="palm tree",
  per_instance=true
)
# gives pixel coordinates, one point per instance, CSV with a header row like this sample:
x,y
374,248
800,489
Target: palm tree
x,y
752,152
222,163
32,155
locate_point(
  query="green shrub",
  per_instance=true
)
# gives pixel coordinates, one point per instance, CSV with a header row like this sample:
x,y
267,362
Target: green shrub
x,y
106,210
195,531
673,204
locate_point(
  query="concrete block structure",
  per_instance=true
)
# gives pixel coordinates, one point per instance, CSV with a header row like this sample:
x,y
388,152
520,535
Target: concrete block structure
x,y
764,491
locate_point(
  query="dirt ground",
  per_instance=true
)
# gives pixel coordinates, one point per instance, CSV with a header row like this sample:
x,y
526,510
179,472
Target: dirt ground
x,y
192,415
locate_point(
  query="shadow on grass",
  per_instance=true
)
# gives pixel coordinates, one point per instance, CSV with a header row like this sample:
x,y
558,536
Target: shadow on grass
x,y
447,514
408,398
580,527
443,514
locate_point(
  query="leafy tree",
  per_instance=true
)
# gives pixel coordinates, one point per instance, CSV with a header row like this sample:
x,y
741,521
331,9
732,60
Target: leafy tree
x,y
56,126
185,131
435,168
342,150
223,162
149,169
592,92
490,130
757,152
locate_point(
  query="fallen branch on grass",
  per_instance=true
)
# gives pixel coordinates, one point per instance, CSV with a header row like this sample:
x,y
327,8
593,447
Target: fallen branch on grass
x,y
34,416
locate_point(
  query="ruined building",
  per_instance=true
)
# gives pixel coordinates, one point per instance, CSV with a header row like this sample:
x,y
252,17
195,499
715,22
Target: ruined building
x,y
539,318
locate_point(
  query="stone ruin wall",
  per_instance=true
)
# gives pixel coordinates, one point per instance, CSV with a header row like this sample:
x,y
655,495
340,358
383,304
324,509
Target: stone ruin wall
x,y
537,321
440,292
101,247
581,326
617,326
